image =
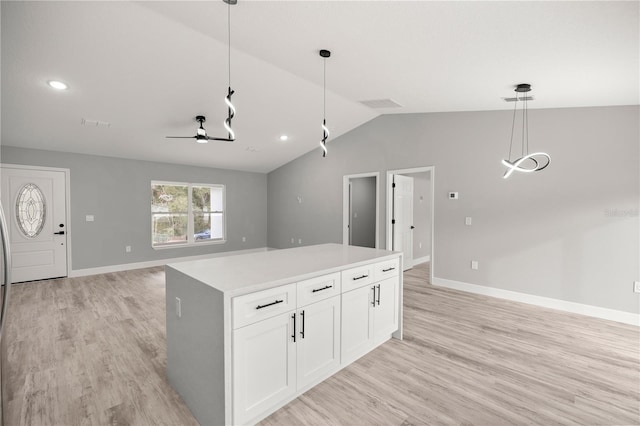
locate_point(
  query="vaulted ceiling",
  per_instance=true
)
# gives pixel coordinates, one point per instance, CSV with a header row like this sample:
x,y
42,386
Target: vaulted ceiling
x,y
148,68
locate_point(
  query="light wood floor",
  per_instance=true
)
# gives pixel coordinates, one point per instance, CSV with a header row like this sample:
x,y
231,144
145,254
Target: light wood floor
x,y
91,351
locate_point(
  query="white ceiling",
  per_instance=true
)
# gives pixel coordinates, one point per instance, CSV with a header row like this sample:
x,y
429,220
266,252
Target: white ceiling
x,y
149,67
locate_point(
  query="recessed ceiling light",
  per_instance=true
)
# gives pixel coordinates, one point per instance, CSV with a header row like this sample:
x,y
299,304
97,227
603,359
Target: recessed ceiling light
x,y
58,85
284,138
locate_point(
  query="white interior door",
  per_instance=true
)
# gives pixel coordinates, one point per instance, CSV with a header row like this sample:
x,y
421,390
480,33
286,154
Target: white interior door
x,y
35,205
402,220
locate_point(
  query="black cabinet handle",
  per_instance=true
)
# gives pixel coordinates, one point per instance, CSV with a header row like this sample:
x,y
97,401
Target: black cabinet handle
x,y
388,269
378,294
320,289
269,304
294,327
59,233
302,331
374,296
360,277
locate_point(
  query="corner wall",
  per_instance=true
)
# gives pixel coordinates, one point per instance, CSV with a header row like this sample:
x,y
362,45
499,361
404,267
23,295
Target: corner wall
x,y
118,193
570,232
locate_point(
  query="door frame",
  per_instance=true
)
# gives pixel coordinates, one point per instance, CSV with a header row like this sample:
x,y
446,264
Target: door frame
x,y
67,190
389,229
346,203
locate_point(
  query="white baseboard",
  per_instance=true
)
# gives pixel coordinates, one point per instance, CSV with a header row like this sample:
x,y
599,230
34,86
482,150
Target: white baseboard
x,y
159,262
424,259
547,302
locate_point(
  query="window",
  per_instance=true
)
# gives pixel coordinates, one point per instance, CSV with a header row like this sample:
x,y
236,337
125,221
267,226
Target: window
x,y
186,214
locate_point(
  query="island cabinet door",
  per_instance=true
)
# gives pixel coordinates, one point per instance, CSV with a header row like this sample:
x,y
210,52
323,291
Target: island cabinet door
x,y
264,366
357,323
318,341
385,312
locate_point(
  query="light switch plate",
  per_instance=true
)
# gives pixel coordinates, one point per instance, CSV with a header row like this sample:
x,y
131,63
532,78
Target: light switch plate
x,y
89,218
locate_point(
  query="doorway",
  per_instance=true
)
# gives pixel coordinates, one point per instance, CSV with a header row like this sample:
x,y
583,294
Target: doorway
x,y
36,205
360,210
410,204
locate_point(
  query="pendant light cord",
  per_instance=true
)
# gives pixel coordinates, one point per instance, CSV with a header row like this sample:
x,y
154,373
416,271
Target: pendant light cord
x,y
229,38
324,89
526,124
513,125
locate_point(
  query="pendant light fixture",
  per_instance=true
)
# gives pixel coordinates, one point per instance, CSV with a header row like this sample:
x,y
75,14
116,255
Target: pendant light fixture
x,y
231,110
325,131
526,163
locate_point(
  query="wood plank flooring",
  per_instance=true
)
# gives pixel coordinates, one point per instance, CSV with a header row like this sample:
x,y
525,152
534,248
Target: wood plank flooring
x,y
91,351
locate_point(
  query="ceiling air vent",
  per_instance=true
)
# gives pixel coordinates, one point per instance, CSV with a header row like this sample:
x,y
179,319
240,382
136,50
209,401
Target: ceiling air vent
x,y
521,98
381,103
94,123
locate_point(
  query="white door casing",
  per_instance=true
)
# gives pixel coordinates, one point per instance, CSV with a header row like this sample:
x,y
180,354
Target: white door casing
x,y
402,220
346,204
39,240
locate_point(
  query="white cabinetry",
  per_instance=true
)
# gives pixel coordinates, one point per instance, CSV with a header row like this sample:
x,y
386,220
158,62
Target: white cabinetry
x,y
369,316
257,330
276,357
385,311
318,341
264,366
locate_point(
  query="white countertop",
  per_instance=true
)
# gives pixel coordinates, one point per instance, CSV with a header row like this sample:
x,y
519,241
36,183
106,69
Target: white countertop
x,y
246,273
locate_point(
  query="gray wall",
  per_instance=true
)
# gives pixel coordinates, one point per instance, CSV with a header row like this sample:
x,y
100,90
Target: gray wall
x,y
421,214
363,211
118,193
569,232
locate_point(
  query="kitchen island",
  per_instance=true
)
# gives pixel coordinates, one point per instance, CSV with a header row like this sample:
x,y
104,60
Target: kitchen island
x,y
248,333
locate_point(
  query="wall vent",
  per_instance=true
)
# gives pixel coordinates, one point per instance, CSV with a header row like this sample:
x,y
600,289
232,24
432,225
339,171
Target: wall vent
x,y
381,103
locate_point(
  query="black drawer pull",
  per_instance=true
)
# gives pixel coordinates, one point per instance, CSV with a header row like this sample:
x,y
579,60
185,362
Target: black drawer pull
x,y
360,277
320,289
269,304
387,270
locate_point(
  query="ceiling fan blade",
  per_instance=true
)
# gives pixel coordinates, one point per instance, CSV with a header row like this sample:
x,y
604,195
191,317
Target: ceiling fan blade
x,y
180,137
220,139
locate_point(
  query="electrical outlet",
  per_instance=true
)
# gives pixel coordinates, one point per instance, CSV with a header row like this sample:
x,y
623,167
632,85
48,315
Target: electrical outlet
x,y
127,249
474,264
244,239
178,307
299,240
419,245
89,218
636,286
467,221
293,241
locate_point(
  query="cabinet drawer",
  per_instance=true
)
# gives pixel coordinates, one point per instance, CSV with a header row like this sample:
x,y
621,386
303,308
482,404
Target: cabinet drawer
x,y
387,269
357,277
255,307
319,288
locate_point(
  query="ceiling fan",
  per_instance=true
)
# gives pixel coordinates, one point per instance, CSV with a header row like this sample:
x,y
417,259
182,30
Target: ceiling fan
x,y
201,134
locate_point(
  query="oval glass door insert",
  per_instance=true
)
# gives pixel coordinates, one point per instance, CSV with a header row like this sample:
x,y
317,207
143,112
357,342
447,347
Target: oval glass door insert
x,y
30,210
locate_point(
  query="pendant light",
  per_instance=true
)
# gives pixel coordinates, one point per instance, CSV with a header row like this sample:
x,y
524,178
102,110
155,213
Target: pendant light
x,y
325,131
526,163
231,110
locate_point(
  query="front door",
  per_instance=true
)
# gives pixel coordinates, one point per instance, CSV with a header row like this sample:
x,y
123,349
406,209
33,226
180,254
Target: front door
x,y
403,218
35,205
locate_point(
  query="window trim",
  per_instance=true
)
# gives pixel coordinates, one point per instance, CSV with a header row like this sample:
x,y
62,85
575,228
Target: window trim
x,y
190,216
